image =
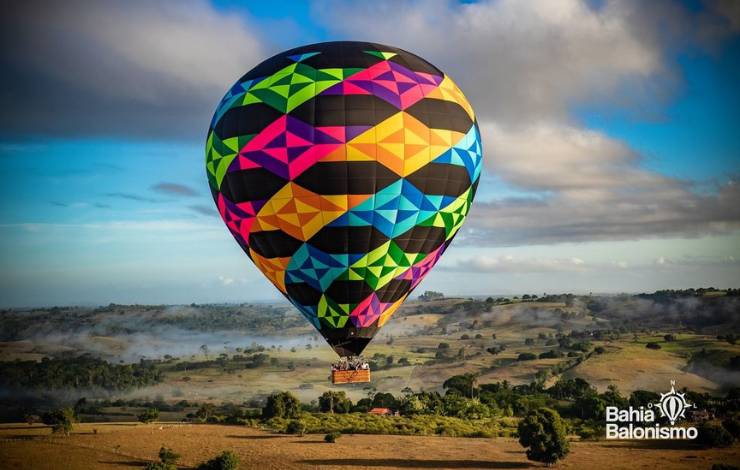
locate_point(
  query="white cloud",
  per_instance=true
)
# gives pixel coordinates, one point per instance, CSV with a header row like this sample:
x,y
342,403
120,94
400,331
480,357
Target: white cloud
x,y
512,264
517,60
152,68
591,187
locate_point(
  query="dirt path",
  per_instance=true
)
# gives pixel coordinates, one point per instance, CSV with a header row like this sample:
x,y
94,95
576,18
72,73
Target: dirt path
x,y
129,445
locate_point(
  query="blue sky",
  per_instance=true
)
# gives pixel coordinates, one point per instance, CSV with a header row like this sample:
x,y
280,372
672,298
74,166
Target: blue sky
x,y
609,133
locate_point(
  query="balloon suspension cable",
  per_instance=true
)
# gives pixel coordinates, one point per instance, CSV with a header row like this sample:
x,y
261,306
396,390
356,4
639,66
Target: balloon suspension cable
x,y
351,363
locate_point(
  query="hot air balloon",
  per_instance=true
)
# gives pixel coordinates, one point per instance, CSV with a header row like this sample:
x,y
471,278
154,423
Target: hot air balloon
x,y
344,170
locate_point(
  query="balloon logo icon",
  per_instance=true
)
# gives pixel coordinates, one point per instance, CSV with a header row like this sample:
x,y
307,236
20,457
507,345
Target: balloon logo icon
x,y
673,405
344,170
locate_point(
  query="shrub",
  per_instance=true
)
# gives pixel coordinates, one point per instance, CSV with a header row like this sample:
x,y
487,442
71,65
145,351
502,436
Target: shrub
x,y
166,455
149,415
226,460
296,426
332,437
160,466
167,460
590,433
551,354
526,357
61,420
544,433
732,425
652,346
281,405
714,435
599,350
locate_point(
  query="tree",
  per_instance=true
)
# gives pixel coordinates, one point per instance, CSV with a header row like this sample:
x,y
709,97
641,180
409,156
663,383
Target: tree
x,y
281,405
296,426
334,402
461,384
543,432
411,406
644,398
206,411
590,406
363,405
714,435
431,295
454,405
385,400
149,415
61,420
226,460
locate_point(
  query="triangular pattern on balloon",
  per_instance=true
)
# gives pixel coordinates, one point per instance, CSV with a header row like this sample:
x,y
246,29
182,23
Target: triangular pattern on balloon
x,y
389,81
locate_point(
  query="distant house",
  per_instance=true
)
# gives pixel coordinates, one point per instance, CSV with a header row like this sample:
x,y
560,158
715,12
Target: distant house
x,y
381,411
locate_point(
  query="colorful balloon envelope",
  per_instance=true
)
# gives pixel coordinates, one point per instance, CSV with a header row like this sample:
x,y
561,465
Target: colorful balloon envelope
x,y
344,170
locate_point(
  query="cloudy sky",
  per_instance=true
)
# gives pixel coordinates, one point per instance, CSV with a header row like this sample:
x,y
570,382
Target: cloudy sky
x,y
610,132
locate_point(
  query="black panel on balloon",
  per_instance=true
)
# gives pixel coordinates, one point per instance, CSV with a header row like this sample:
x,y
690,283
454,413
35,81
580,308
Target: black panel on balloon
x,y
348,55
349,340
274,244
441,114
394,290
349,292
340,240
255,184
420,239
303,293
344,110
413,63
245,120
441,179
354,177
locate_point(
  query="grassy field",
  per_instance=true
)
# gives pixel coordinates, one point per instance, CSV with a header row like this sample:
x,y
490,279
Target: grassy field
x,y
130,445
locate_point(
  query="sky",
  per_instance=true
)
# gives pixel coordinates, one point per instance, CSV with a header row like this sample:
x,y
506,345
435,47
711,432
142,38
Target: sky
x,y
612,157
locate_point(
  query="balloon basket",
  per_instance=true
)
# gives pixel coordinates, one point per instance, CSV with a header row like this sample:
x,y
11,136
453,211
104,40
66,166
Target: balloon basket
x,y
339,377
